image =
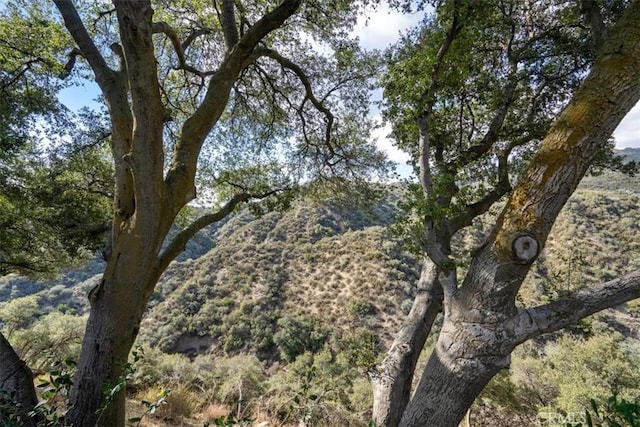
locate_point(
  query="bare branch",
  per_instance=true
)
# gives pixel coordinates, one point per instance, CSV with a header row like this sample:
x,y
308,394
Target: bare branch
x,y
166,29
570,309
179,242
22,265
82,38
268,23
476,151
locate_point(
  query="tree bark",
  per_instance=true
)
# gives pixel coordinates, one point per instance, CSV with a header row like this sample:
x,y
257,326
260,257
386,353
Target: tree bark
x,y
392,378
16,386
117,306
568,310
467,355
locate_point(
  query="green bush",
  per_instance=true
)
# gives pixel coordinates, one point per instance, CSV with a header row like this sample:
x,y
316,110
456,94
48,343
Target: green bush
x,y
298,335
360,308
570,371
361,348
614,413
55,336
18,313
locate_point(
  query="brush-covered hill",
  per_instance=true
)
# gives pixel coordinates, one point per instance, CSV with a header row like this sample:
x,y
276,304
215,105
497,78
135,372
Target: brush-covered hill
x,y
300,301
318,267
330,270
334,268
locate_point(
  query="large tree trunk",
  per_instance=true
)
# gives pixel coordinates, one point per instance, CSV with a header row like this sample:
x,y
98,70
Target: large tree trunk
x,y
16,386
117,305
467,355
392,378
148,196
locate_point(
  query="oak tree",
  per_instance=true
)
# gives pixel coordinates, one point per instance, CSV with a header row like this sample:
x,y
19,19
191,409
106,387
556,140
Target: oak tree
x,y
234,101
480,91
53,201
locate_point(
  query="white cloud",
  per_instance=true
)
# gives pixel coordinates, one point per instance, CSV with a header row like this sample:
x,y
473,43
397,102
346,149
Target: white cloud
x,y
382,26
385,144
628,132
378,29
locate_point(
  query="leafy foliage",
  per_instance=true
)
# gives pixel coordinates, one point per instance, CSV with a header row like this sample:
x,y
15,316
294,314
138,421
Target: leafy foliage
x,y
33,52
54,202
614,413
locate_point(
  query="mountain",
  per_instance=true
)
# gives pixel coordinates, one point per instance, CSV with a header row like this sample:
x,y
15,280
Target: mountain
x,y
339,269
630,154
322,264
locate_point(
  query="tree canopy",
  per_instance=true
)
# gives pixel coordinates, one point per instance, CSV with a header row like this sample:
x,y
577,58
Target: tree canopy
x,y
225,102
54,196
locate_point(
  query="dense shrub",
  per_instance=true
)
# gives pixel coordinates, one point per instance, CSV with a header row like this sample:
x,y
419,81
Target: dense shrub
x,y
297,335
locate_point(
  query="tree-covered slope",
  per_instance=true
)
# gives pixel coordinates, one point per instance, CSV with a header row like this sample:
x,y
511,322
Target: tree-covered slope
x,y
339,268
322,276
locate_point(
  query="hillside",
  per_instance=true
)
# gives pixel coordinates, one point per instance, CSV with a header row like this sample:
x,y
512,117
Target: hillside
x,y
325,263
323,287
630,154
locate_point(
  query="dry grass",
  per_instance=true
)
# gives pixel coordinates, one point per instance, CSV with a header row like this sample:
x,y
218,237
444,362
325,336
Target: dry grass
x,y
213,411
177,408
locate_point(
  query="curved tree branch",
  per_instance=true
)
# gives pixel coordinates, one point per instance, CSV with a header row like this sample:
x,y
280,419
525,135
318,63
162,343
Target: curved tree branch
x,y
71,62
179,48
473,210
193,36
177,245
114,87
428,101
179,242
570,309
304,79
394,375
476,151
